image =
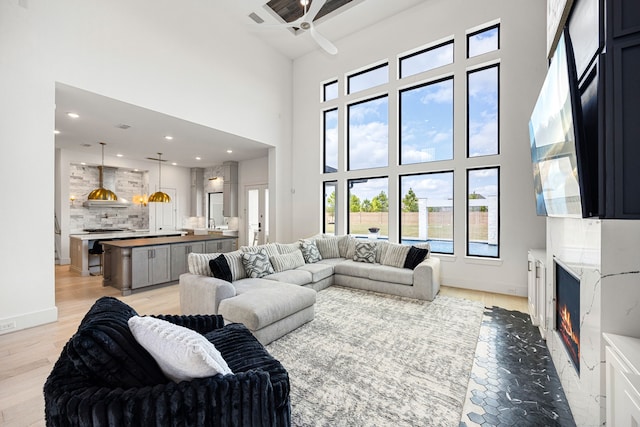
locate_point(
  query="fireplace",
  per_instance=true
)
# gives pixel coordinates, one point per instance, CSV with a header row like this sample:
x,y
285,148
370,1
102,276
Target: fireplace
x,y
568,311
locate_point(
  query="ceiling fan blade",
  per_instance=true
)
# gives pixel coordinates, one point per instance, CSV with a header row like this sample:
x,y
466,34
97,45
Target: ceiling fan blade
x,y
316,5
323,42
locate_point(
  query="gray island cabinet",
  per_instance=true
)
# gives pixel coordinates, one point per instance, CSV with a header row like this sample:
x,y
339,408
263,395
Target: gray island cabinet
x,y
131,265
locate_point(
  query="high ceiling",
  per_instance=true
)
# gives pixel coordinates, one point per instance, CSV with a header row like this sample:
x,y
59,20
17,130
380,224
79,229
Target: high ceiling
x,y
102,118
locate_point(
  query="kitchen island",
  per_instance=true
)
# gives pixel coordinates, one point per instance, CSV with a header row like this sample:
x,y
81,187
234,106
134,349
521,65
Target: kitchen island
x,y
136,264
81,243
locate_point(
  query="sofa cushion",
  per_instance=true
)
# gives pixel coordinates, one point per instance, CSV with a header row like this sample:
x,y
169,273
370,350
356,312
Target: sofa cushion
x,y
331,261
385,273
328,247
199,263
182,353
270,248
220,268
395,255
105,350
266,304
310,251
365,252
288,261
287,248
257,264
415,256
297,277
319,270
356,269
234,259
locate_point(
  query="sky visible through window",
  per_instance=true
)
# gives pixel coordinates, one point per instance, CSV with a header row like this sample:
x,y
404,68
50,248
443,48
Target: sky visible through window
x,y
483,42
427,60
427,123
483,112
369,134
368,79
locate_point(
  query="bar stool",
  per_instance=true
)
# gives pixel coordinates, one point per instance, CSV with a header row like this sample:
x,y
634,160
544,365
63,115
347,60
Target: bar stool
x,y
96,249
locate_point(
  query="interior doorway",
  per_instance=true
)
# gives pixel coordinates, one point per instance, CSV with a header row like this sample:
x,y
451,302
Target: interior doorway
x,y
257,214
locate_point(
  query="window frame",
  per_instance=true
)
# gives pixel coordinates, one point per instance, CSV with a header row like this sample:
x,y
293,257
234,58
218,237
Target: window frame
x,y
499,235
438,45
482,30
324,90
453,127
498,108
348,130
453,205
364,71
324,140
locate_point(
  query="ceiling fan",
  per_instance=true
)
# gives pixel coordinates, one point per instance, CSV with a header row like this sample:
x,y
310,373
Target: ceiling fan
x,y
305,22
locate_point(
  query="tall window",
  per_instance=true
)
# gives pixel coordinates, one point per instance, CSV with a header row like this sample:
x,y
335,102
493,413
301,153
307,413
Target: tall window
x,y
483,212
330,91
372,77
483,111
427,59
368,206
483,41
426,122
426,210
330,140
330,207
368,134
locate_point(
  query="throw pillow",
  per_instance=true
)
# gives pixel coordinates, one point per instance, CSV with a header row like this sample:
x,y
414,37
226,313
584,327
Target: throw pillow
x,y
181,353
343,245
415,256
350,248
310,251
365,252
287,248
104,349
257,264
395,255
199,263
220,268
270,248
234,259
328,247
286,262
381,250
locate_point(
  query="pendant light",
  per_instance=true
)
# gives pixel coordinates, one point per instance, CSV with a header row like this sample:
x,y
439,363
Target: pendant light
x,y
102,193
159,196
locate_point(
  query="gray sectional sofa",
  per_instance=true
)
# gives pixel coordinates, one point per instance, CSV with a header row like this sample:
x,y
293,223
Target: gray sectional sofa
x,y
281,296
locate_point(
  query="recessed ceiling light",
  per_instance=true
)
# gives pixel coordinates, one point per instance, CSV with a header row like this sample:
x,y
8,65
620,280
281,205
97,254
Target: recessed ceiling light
x,y
174,164
198,158
168,137
56,131
229,151
73,115
119,155
136,170
83,163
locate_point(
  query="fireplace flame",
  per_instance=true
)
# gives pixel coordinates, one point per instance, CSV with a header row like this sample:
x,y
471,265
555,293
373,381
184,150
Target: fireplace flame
x,y
570,338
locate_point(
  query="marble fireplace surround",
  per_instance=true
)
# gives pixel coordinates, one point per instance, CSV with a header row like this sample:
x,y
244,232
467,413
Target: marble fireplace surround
x,y
605,255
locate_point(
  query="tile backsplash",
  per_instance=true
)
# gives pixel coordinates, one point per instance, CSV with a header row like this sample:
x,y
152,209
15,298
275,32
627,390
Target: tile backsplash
x,y
129,185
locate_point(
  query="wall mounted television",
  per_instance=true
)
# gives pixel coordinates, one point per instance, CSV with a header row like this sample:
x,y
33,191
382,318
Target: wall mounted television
x,y
561,176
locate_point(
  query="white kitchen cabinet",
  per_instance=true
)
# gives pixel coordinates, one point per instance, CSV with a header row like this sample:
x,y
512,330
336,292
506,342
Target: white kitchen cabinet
x,y
537,297
622,380
180,255
150,266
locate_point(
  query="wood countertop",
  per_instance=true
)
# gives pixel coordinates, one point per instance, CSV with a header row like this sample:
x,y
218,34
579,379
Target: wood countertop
x,y
132,243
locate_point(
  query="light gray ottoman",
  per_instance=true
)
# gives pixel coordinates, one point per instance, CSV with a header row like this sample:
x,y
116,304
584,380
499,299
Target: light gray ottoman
x,y
269,309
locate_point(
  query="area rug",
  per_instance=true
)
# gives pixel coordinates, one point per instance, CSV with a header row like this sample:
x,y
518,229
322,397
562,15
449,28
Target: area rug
x,y
369,359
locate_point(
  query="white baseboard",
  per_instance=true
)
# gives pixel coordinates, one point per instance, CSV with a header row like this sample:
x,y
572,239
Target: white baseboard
x,y
495,287
28,320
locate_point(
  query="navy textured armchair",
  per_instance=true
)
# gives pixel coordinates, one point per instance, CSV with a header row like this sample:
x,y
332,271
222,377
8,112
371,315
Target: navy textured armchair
x,y
105,378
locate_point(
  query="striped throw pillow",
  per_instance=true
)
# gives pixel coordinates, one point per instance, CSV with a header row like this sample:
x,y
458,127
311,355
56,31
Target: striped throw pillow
x,y
199,263
396,255
328,247
234,259
284,262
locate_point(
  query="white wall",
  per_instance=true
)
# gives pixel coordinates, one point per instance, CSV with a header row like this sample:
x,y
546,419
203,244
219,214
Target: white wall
x,y
522,67
177,58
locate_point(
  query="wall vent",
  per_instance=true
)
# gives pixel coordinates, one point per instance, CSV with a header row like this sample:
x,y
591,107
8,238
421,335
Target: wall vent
x,y
256,18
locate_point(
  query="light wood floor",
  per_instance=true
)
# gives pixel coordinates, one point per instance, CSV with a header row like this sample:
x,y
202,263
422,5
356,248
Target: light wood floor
x,y
27,357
